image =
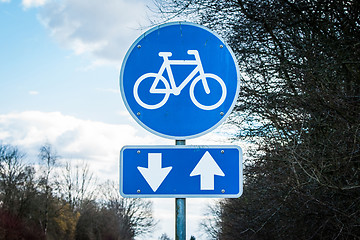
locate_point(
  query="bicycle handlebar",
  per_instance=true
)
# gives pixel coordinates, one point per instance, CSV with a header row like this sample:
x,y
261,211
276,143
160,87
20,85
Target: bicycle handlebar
x,y
165,54
193,52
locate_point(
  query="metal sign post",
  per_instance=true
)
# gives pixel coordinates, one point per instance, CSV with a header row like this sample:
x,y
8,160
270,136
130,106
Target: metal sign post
x,y
180,80
180,211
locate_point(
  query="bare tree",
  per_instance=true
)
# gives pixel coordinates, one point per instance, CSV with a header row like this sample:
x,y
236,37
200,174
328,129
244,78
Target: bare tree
x,y
133,215
64,207
18,193
299,105
164,236
12,176
48,159
77,183
114,217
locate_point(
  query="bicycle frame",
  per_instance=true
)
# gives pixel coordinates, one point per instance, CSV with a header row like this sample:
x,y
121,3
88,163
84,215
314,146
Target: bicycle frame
x,y
166,65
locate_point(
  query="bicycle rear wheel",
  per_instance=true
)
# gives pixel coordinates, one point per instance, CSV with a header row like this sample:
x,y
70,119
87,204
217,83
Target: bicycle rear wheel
x,y
150,100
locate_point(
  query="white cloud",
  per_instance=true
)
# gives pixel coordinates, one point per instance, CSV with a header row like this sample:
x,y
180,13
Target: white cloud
x,y
96,143
33,3
103,29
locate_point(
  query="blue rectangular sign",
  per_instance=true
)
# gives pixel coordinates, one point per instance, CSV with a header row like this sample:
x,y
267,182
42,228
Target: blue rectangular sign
x,y
181,171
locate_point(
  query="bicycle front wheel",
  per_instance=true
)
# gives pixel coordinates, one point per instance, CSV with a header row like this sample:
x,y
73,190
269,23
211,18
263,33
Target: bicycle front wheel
x,y
214,98
147,99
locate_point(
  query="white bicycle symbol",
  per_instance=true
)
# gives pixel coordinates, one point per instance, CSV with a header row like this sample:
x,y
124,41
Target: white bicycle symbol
x,y
176,90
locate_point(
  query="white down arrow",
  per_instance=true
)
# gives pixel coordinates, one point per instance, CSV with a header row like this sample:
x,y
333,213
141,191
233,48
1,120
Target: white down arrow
x,y
154,174
207,168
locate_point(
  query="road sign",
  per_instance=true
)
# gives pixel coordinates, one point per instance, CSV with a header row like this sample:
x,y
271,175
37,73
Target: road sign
x,y
181,171
179,80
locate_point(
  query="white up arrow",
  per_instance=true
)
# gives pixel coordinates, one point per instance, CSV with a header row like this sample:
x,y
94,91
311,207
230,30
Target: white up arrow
x,y
207,168
154,174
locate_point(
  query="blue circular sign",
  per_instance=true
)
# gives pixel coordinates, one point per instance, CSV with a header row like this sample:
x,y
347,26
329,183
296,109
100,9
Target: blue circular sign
x,y
179,80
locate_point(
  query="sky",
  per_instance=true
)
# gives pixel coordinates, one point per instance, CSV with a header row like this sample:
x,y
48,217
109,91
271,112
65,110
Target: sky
x,y
59,84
